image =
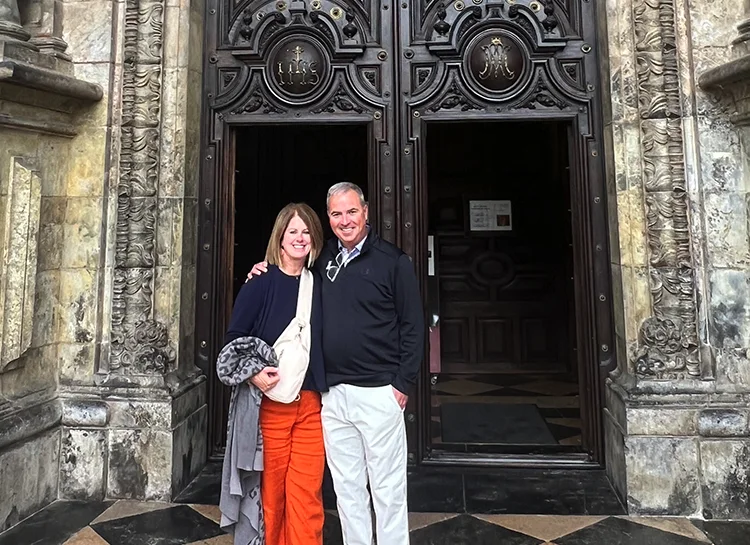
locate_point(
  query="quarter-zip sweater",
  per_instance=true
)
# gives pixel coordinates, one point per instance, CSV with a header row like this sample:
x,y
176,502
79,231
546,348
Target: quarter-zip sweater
x,y
373,320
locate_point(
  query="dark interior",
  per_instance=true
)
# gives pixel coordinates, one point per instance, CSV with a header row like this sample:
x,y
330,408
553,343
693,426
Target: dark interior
x,y
500,296
279,164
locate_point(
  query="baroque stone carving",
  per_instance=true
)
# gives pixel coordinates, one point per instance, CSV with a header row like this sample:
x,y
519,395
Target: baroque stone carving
x,y
665,348
139,344
20,230
669,347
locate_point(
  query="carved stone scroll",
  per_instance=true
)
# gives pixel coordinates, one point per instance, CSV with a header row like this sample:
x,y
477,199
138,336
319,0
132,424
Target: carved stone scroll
x,y
20,230
668,344
139,344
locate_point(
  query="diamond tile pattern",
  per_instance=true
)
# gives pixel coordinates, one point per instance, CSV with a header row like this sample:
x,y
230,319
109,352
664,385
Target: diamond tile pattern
x,y
174,526
557,399
619,531
195,525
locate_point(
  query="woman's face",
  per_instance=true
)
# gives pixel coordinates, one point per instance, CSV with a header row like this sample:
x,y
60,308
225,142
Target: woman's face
x,y
296,240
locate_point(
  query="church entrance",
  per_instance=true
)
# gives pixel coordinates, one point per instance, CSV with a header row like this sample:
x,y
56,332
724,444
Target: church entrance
x,y
474,128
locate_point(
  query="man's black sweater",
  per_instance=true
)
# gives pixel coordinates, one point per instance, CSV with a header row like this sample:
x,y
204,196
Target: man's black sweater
x,y
373,321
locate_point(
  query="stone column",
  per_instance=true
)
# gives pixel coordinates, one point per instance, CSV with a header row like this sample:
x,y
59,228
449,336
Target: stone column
x,y
10,22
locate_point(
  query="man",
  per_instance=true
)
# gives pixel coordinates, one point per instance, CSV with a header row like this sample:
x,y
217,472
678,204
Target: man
x,y
373,341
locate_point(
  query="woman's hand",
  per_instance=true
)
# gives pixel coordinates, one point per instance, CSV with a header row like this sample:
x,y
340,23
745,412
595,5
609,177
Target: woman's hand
x,y
266,379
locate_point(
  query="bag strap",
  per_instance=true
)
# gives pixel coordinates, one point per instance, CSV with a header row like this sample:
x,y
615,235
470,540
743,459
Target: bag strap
x,y
304,296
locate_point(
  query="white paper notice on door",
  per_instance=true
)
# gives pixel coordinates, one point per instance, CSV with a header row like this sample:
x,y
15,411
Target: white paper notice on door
x,y
490,216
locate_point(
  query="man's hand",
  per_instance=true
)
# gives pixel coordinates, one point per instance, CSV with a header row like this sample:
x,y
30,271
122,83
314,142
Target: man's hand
x,y
266,379
400,398
257,270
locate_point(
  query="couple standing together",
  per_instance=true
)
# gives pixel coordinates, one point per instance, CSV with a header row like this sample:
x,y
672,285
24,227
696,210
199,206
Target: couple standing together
x,y
366,343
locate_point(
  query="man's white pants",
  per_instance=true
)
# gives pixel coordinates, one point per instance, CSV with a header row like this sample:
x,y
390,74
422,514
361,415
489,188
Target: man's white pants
x,y
365,436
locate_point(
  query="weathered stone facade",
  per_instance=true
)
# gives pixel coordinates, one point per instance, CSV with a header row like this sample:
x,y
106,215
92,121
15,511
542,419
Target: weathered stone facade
x,y
99,124
100,104
676,425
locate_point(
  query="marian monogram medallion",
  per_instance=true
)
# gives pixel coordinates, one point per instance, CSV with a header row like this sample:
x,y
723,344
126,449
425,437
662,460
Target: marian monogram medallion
x,y
497,64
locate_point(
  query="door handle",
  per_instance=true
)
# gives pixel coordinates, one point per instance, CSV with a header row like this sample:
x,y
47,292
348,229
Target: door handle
x,y
430,255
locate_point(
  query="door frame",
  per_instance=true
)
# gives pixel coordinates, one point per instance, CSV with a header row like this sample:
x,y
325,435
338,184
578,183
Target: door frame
x,y
591,292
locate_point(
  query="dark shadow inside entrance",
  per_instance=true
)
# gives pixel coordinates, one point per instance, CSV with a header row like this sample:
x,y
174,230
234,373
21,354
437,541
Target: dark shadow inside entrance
x,y
500,289
275,165
279,164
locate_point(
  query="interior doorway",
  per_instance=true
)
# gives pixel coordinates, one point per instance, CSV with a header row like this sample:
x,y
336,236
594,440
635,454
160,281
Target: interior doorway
x,y
273,166
500,288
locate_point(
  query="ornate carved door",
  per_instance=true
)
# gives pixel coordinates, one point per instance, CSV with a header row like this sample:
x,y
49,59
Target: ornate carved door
x,y
396,66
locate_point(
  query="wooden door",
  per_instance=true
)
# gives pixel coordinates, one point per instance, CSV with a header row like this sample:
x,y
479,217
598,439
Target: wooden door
x,y
394,67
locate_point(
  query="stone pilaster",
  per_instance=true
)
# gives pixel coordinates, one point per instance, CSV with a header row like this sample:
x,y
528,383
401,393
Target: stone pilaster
x,y
675,406
148,438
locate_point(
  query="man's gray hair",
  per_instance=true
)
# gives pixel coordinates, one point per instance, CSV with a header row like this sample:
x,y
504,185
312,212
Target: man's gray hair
x,y
343,187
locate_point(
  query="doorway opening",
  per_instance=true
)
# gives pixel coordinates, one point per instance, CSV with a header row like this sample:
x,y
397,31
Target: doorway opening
x,y
273,166
500,289
279,164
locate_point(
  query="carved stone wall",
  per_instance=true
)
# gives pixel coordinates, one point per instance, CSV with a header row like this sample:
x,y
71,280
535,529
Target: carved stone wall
x,y
98,307
137,407
676,404
139,344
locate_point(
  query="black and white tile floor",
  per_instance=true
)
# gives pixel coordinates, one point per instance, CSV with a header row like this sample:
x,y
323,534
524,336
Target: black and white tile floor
x,y
149,523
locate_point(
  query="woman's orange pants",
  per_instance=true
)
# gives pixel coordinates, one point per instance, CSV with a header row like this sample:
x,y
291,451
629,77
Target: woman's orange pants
x,y
293,465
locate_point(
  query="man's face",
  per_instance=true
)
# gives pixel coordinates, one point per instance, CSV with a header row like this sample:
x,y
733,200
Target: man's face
x,y
348,218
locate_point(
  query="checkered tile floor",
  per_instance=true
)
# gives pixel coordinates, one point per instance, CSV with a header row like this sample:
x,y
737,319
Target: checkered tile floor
x,y
146,523
556,399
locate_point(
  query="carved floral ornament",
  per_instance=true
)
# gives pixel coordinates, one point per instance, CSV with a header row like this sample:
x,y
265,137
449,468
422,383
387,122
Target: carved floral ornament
x,y
139,343
669,347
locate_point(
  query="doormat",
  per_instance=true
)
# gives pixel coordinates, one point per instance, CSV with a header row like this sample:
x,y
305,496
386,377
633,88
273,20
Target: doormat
x,y
503,424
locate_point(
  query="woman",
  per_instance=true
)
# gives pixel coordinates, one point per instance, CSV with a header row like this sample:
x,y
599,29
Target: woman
x,y
293,452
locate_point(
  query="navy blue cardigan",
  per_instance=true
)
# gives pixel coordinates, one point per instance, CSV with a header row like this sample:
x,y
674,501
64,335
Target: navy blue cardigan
x,y
265,306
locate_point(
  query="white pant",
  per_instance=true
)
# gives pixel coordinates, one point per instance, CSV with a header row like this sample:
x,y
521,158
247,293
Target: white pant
x,y
365,436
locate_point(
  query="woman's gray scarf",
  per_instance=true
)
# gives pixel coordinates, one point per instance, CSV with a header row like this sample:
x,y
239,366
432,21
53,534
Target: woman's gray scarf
x,y
240,503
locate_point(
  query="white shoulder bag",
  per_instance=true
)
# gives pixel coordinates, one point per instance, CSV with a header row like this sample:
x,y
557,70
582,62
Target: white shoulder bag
x,y
293,346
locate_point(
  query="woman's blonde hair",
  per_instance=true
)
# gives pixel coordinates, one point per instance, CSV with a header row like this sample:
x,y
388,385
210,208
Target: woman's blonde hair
x,y
311,220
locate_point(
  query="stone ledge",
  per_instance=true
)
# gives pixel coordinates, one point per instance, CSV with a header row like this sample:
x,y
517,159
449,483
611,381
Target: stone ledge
x,y
733,78
726,75
697,414
27,417
33,77
46,127
703,394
